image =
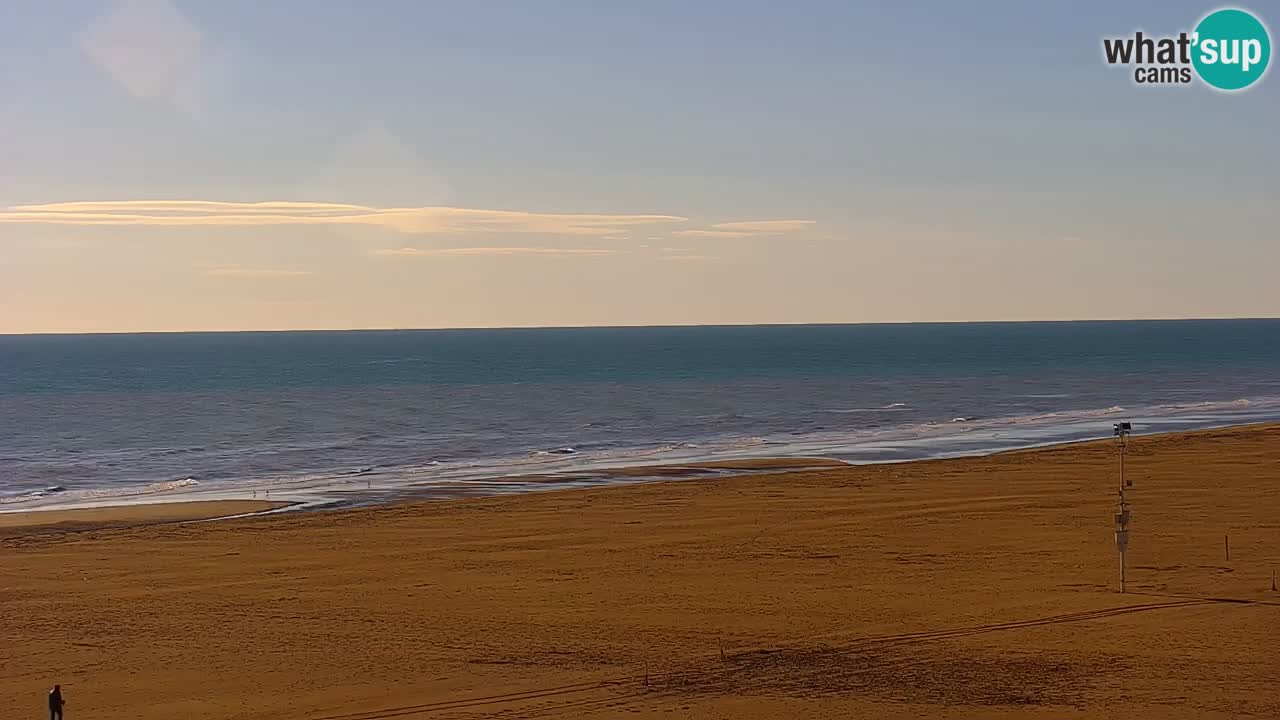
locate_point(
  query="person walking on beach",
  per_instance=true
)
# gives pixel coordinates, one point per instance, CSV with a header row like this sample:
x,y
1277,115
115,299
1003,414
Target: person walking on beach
x,y
55,703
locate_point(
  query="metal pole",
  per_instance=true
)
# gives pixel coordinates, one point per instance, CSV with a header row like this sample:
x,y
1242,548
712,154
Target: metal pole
x,y
1122,509
1122,514
1121,572
1122,444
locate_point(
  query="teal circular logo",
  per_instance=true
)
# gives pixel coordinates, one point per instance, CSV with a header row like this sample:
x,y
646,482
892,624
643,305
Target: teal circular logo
x,y
1231,49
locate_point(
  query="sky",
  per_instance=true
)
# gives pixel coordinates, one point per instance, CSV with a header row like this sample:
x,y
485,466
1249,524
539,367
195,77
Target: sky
x,y
169,165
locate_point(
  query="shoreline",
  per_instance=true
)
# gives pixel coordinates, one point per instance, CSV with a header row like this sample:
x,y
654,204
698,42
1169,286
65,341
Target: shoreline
x,y
159,512
18,522
366,480
963,588
28,522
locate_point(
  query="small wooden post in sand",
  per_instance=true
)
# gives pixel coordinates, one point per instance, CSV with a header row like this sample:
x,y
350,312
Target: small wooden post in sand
x,y
1226,546
1273,581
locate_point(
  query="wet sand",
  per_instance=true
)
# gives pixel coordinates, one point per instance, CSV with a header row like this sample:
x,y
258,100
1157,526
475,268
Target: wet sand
x,y
634,473
969,588
100,518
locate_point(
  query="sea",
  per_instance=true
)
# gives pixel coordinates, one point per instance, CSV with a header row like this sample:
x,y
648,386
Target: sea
x,y
354,417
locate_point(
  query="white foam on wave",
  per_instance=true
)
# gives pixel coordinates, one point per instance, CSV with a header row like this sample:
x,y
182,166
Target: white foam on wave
x,y
97,494
1209,405
882,408
1001,432
965,434
30,495
1061,415
556,451
150,489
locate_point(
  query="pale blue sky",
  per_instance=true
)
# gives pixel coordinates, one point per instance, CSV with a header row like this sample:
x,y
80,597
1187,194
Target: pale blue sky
x,y
956,161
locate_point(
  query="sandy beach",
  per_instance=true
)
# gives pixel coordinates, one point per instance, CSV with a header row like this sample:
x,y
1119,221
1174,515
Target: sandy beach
x,y
971,588
101,518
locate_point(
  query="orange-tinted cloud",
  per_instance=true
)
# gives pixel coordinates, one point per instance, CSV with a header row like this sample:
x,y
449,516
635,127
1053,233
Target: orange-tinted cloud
x,y
425,220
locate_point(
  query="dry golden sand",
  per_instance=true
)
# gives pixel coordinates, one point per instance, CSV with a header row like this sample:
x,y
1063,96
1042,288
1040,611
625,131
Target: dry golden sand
x,y
966,588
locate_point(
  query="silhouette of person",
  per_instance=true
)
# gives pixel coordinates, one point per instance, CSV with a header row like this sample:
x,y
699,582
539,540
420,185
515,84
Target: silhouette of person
x,y
55,703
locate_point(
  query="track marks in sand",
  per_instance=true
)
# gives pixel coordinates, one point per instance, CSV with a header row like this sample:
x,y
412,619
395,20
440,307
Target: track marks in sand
x,y
870,665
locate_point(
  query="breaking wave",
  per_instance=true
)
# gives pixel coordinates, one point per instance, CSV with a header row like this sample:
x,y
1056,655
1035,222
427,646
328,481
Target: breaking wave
x,y
98,494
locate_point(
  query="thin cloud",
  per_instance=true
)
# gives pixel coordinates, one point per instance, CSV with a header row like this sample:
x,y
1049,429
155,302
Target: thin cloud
x,y
765,226
490,251
424,220
714,233
194,206
746,229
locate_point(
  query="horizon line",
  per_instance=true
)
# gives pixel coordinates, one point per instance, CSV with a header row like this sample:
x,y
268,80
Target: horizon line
x,y
630,326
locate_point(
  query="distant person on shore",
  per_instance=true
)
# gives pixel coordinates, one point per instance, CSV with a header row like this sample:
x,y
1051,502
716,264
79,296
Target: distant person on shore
x,y
55,703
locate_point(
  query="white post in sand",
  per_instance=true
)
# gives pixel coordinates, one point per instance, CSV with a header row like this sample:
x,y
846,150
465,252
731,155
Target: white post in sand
x,y
1122,431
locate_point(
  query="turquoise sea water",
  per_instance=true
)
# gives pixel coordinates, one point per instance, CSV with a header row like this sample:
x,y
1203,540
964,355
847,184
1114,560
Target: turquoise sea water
x,y
356,416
